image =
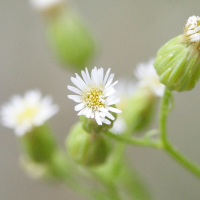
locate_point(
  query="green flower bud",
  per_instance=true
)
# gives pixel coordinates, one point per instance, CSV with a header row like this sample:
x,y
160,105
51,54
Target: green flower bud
x,y
138,109
87,149
177,62
70,39
39,144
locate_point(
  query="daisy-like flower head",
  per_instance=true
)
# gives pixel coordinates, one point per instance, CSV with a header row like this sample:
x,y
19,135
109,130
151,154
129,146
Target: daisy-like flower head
x,y
24,113
192,28
147,76
45,4
95,95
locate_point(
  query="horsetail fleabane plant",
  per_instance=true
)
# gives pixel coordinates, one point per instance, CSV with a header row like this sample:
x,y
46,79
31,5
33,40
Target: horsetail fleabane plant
x,y
93,162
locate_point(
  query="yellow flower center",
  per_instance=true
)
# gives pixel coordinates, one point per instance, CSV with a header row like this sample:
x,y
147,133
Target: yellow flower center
x,y
94,98
28,114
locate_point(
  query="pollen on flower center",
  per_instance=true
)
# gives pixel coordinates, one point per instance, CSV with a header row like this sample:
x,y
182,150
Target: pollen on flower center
x,y
27,114
94,98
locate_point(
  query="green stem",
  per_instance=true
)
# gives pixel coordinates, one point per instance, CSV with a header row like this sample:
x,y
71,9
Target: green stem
x,y
185,162
135,141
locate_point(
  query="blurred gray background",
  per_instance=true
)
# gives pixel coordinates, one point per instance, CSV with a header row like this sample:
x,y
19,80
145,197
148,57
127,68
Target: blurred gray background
x,y
129,32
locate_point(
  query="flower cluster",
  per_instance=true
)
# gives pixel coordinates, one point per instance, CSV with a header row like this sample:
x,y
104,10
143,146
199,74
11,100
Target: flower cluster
x,y
24,113
193,28
95,95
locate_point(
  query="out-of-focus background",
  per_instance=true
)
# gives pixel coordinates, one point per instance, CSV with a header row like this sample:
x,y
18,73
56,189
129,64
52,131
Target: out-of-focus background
x,y
129,32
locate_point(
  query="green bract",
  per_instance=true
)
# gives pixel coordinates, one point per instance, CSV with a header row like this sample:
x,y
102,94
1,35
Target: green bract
x,y
178,64
39,144
87,149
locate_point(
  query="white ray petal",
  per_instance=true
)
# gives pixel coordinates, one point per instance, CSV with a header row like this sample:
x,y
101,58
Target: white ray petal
x,y
97,118
114,101
106,76
73,89
89,112
85,78
77,83
102,114
115,110
112,85
100,74
103,109
76,98
110,116
106,121
79,106
110,79
81,112
88,75
109,98
80,80
110,92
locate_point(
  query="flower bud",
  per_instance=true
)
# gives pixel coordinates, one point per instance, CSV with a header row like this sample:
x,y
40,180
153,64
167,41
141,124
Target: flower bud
x,y
138,110
70,39
39,144
177,62
87,149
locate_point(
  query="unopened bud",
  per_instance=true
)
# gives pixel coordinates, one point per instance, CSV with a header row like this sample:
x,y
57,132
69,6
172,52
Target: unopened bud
x,y
178,62
39,144
138,110
87,149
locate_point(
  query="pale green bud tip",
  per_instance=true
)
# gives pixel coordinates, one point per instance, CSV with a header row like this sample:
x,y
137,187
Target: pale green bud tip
x,y
95,95
24,113
34,170
177,62
87,149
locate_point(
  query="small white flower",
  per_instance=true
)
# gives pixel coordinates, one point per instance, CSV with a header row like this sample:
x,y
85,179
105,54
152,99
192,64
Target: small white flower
x,y
148,77
193,28
125,88
45,4
119,126
95,95
24,113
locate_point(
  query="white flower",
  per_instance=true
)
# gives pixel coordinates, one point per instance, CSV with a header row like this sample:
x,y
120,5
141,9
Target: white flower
x,y
45,4
119,126
148,77
193,28
125,88
24,113
95,95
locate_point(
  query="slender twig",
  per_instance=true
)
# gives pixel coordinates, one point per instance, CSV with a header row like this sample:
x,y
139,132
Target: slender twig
x,y
167,146
135,141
